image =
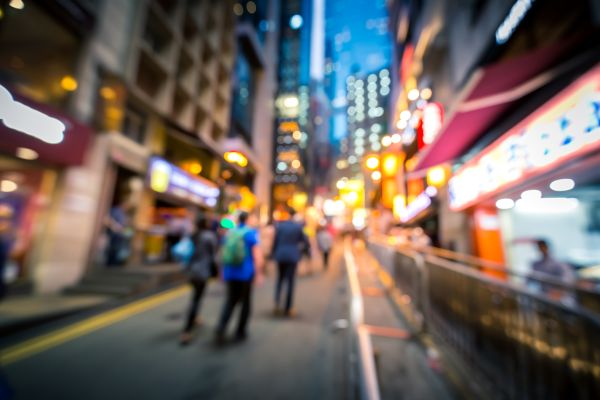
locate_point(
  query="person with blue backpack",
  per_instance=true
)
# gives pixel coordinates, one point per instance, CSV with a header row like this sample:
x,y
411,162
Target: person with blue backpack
x,y
242,262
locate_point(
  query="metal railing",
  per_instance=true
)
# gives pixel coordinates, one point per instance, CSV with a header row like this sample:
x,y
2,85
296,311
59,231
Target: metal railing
x,y
521,344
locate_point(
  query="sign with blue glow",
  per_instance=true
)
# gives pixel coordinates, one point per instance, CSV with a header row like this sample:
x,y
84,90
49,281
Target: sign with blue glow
x,y
164,177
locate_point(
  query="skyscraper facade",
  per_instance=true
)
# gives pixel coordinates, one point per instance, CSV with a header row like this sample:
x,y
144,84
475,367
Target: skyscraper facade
x,y
292,123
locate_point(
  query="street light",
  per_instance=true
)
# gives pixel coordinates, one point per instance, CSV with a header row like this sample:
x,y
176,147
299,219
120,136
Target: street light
x,y
372,162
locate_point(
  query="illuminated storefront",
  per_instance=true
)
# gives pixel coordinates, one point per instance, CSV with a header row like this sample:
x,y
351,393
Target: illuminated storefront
x,y
540,180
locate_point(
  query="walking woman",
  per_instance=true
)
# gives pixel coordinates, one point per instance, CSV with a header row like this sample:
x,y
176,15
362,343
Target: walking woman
x,y
201,268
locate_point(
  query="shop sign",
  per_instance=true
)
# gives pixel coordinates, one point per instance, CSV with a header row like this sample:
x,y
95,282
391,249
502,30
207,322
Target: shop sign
x,y
569,129
415,207
164,177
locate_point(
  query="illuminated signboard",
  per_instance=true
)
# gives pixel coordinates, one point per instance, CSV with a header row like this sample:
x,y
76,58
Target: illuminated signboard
x,y
415,207
567,127
22,118
164,177
433,118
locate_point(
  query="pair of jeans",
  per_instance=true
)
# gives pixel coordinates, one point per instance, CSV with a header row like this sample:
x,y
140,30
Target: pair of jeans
x,y
198,285
325,259
287,274
237,292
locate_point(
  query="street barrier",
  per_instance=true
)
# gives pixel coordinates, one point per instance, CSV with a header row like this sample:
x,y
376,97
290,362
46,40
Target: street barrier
x,y
519,343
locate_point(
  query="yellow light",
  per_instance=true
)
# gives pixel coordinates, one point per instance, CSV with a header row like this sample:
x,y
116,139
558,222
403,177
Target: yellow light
x,y
386,141
296,164
108,93
297,135
341,184
235,157
426,94
195,168
436,176
372,162
68,83
376,176
26,153
399,205
8,186
390,165
17,4
251,7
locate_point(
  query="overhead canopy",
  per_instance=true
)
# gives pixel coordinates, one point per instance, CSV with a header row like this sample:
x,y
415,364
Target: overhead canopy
x,y
491,91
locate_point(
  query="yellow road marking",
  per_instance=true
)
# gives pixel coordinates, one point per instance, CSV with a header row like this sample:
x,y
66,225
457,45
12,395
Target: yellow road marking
x,y
44,342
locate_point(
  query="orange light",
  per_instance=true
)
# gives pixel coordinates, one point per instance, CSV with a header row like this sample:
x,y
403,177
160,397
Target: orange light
x,y
372,162
390,165
68,83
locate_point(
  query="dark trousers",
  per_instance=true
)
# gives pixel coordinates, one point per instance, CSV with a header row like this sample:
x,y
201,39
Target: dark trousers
x,y
287,274
198,285
325,258
237,291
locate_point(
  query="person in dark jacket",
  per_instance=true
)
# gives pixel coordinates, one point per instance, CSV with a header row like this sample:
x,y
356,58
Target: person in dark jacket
x,y
201,268
289,244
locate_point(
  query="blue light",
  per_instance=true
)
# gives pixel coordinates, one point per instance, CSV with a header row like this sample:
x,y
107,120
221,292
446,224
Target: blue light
x,y
296,21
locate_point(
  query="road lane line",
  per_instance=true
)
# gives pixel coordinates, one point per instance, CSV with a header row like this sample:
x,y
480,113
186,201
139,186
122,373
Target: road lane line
x,y
44,342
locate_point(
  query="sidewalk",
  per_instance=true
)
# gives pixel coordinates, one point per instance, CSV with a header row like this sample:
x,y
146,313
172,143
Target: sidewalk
x,y
95,289
403,366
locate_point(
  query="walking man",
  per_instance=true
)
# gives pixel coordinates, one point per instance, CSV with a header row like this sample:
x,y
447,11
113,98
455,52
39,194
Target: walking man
x,y
242,261
289,244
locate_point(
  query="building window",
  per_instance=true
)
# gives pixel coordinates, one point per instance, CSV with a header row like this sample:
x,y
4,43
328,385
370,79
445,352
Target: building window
x,y
134,124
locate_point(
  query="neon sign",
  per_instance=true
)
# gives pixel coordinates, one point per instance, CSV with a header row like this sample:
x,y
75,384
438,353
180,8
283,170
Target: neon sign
x,y
567,128
22,118
164,177
415,207
512,20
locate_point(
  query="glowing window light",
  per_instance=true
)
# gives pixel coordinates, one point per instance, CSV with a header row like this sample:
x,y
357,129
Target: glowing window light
x,y
505,204
531,195
8,186
546,205
562,185
27,120
512,20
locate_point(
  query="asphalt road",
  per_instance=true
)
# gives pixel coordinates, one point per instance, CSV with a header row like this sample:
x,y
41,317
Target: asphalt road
x,y
139,357
132,352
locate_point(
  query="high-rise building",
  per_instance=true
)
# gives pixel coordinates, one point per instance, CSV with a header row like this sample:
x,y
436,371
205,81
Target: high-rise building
x,y
367,102
292,123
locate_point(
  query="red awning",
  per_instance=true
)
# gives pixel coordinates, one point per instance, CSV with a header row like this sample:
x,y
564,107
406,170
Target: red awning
x,y
491,91
72,149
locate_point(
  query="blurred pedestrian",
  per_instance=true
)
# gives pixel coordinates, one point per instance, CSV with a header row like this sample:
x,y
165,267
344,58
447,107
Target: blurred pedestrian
x,y
119,232
289,245
242,262
325,242
548,267
201,267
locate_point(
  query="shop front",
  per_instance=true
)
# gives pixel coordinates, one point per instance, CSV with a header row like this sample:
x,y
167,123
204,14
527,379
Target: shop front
x,y
179,197
38,143
539,181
